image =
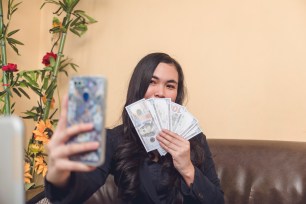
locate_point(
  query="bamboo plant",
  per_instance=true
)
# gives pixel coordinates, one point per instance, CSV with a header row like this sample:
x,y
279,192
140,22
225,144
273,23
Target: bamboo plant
x,y
8,69
44,83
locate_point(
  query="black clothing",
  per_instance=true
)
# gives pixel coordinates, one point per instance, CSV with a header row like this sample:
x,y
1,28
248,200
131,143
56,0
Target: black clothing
x,y
205,188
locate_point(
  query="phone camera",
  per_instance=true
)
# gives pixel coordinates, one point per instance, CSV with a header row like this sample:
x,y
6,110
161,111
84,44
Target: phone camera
x,y
85,96
78,84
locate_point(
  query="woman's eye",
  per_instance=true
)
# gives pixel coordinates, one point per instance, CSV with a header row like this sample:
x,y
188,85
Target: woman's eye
x,y
171,86
152,82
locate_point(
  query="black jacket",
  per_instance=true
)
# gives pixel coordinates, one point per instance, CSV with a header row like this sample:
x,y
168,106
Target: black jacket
x,y
205,189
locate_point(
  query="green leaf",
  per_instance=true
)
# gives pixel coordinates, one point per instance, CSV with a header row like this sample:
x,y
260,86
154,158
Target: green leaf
x,y
9,92
15,6
30,113
52,61
16,80
50,95
63,5
39,109
12,32
13,11
27,186
50,117
9,9
23,83
81,27
64,60
27,117
55,30
30,80
43,73
11,78
75,32
74,66
79,11
32,75
51,88
14,41
33,108
49,2
2,93
75,21
63,66
37,74
14,48
37,91
90,20
56,20
17,92
24,93
20,73
65,72
13,105
45,84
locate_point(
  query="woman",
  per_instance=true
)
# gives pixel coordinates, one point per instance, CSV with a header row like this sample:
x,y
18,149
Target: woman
x,y
186,174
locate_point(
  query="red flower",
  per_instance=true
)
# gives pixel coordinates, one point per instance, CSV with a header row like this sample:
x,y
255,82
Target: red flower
x,y
10,67
46,58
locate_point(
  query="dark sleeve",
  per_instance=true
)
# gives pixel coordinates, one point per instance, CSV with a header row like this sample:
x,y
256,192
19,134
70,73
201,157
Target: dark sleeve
x,y
82,185
206,186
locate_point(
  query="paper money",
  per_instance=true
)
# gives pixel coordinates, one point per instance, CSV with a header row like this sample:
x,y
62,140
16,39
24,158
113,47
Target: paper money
x,y
150,105
144,124
185,122
176,111
150,116
162,109
195,130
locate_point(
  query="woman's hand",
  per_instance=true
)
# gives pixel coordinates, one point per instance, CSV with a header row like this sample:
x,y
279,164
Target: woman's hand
x,y
179,148
59,165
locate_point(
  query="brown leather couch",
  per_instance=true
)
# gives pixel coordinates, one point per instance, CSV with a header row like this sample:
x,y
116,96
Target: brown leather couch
x,y
251,172
261,172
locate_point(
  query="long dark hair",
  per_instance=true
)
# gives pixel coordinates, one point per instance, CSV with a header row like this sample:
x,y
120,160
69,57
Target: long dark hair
x,y
130,152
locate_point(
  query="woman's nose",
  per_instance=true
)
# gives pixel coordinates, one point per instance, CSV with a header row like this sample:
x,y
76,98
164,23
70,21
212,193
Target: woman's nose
x,y
159,92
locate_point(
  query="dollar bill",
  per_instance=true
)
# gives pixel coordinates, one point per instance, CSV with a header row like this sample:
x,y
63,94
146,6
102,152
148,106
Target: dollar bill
x,y
176,111
195,130
162,109
161,151
150,105
185,122
150,116
144,124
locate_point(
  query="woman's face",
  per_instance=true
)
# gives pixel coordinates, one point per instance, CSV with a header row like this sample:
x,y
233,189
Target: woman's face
x,y
164,82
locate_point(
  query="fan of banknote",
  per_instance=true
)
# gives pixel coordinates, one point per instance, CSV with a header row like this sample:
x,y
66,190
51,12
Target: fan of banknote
x,y
150,116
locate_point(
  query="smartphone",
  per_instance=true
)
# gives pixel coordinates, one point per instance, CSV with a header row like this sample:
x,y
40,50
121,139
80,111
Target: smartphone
x,y
12,160
86,104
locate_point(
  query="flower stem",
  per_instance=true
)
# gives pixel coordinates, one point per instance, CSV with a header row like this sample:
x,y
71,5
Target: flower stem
x,y
57,64
7,109
33,168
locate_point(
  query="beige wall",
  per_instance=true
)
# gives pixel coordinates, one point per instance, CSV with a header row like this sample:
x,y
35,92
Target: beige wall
x,y
244,61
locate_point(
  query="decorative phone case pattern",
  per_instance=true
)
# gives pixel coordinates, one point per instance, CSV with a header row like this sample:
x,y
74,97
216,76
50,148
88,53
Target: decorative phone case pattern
x,y
86,105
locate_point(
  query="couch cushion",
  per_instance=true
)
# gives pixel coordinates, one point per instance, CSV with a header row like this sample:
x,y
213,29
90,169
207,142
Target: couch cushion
x,y
253,171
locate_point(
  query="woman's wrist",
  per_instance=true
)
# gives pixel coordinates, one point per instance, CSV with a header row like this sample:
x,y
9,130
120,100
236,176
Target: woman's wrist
x,y
188,175
58,181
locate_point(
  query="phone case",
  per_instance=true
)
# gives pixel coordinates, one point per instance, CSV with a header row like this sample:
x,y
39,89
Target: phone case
x,y
86,104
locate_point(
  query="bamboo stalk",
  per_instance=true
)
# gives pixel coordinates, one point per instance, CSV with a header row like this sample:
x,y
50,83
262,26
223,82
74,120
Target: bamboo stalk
x,y
7,109
55,73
